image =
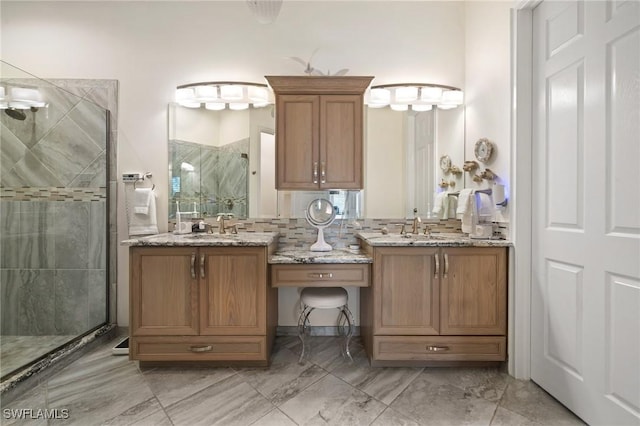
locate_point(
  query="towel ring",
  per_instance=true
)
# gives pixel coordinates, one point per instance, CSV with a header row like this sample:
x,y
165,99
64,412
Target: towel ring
x,y
153,185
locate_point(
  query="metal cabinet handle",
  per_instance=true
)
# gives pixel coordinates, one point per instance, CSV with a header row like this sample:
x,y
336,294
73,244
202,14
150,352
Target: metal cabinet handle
x,y
202,260
437,348
193,265
437,273
321,275
446,265
323,172
315,172
207,348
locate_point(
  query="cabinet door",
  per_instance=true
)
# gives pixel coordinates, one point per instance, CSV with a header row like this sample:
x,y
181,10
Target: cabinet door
x,y
406,291
341,141
474,291
233,291
297,130
163,290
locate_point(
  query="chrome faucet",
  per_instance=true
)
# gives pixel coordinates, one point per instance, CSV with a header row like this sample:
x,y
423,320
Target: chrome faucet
x,y
221,218
415,229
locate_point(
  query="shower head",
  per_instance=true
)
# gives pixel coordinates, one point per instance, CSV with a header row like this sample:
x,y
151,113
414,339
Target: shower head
x,y
16,114
244,155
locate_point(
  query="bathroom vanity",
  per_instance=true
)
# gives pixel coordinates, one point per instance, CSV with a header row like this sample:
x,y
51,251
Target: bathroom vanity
x,y
423,299
434,300
202,297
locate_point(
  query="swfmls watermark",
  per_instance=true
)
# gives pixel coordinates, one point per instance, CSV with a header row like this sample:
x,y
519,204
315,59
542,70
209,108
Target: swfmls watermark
x,y
35,413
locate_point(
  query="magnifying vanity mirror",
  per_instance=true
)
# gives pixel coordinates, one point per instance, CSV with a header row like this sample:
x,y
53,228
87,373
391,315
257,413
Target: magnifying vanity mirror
x,y
320,214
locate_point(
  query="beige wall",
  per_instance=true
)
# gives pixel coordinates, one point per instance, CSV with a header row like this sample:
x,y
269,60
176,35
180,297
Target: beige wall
x,y
488,86
151,47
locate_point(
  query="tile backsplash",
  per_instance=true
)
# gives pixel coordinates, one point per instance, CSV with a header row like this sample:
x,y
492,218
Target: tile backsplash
x,y
298,232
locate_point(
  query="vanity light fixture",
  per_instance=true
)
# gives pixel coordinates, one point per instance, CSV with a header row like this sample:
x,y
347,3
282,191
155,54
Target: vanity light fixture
x,y
399,107
21,98
418,96
238,106
231,92
218,95
406,94
379,98
214,106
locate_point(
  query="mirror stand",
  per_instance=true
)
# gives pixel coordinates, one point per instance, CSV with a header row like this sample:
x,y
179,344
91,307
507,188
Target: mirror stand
x,y
320,214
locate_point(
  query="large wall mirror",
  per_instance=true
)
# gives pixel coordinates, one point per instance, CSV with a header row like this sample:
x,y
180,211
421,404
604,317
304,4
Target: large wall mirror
x,y
224,162
402,156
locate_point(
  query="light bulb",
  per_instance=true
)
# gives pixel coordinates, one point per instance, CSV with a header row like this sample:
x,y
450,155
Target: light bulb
x,y
399,107
238,106
406,94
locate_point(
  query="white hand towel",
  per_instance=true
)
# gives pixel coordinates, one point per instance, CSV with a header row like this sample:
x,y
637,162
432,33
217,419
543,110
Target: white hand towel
x,y
144,224
438,203
463,201
141,200
445,207
467,210
485,206
453,205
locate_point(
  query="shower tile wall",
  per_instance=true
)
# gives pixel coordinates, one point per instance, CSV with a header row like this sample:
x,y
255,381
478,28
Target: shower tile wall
x,y
53,263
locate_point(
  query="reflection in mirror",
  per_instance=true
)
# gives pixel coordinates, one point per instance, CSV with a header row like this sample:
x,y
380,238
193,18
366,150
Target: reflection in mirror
x,y
402,159
346,204
402,156
215,161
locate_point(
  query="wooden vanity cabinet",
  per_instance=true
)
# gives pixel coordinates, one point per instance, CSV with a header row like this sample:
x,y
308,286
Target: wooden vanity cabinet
x,y
319,132
431,305
201,304
405,293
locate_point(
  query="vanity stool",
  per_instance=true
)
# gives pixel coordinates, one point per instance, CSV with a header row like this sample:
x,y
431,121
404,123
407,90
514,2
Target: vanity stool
x,y
324,298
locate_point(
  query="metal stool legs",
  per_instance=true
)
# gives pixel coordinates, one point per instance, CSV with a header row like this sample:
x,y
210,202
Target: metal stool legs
x,y
345,316
303,320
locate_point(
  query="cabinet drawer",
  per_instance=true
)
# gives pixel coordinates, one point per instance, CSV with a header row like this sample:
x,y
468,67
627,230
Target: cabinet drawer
x,y
439,348
210,348
329,275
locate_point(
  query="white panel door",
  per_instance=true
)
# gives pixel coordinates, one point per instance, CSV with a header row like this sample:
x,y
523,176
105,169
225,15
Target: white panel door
x,y
424,161
586,219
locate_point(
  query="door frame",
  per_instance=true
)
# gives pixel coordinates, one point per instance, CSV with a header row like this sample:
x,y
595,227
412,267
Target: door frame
x,y
522,182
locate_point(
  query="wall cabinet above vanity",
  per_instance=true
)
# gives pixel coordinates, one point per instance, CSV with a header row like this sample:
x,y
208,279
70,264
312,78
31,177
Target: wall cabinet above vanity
x,y
319,131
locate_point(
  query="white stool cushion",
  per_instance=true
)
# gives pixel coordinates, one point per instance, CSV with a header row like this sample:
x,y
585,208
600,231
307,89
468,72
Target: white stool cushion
x,y
324,297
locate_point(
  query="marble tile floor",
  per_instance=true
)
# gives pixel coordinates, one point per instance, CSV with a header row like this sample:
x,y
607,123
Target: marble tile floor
x,y
102,389
16,351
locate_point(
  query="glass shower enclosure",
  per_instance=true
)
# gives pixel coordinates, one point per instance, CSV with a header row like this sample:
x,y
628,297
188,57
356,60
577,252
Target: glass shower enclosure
x,y
54,220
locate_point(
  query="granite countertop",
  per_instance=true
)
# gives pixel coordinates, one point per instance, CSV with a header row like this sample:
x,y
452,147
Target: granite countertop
x,y
435,240
241,239
296,255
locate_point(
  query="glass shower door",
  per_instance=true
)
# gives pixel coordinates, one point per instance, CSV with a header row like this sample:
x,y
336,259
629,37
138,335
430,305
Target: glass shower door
x,y
54,207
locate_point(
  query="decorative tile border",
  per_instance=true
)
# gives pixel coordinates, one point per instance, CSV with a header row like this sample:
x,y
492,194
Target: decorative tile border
x,y
53,194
